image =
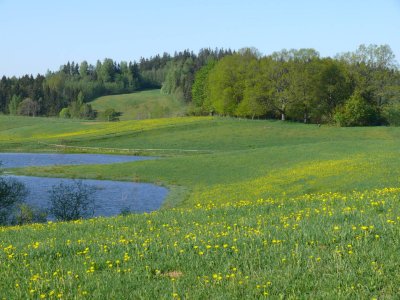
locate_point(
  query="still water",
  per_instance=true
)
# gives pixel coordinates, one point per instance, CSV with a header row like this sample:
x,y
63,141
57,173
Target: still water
x,y
20,160
111,197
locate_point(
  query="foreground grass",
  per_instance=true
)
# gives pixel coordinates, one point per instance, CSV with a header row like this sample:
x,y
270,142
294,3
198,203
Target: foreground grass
x,y
141,105
327,246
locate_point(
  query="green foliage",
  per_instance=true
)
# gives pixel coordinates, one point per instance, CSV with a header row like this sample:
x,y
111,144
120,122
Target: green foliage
x,y
13,105
356,112
109,115
65,113
227,82
299,85
87,112
200,97
255,102
333,88
78,109
76,106
290,84
391,113
27,214
179,78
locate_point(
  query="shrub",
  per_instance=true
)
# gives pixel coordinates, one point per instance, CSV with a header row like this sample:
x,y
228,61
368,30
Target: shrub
x,y
27,214
110,115
65,113
87,112
71,201
12,193
391,113
356,112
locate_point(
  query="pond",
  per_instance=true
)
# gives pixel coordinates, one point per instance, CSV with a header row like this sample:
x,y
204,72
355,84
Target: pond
x,y
111,197
20,160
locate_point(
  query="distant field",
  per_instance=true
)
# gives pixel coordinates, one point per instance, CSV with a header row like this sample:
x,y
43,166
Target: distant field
x,y
141,105
221,159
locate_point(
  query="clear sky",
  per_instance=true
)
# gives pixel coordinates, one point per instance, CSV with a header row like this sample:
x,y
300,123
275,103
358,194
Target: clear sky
x,y
40,35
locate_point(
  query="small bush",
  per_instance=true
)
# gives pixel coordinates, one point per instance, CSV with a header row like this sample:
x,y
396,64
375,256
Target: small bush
x,y
12,193
71,201
65,113
109,115
28,214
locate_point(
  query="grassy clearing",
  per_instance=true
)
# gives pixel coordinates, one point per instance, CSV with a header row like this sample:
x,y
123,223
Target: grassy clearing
x,y
141,105
329,246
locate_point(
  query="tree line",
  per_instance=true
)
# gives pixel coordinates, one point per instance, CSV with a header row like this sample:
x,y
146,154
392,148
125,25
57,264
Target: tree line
x,y
69,89
352,89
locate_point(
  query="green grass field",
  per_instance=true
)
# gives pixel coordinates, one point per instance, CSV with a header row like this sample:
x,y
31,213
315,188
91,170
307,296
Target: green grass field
x,y
222,159
141,105
327,227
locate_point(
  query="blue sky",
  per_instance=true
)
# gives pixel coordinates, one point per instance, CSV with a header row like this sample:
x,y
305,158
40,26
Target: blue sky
x,y
40,35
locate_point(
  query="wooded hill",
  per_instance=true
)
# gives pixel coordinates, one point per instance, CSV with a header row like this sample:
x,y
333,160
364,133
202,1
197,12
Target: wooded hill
x,y
75,84
353,89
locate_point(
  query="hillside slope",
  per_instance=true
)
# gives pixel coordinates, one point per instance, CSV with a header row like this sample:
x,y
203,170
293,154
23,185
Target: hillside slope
x,y
220,159
141,105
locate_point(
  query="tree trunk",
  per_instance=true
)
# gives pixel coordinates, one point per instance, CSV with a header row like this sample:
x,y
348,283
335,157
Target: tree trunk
x,y
283,109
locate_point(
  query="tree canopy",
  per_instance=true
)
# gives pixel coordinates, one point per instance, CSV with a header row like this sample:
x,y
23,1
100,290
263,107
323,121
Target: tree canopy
x,y
295,84
353,89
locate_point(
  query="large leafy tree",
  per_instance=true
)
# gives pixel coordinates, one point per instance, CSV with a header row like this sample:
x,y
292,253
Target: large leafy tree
x,y
375,71
227,82
333,88
200,97
280,78
255,97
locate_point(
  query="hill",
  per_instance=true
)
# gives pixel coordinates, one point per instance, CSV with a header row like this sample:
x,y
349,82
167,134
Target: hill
x,y
141,105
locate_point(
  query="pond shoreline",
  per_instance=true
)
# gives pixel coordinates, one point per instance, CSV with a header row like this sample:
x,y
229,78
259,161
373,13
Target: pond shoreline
x,y
111,197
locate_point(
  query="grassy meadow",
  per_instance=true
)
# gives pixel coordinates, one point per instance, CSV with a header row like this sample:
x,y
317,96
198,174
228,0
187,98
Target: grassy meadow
x,y
256,209
141,105
327,246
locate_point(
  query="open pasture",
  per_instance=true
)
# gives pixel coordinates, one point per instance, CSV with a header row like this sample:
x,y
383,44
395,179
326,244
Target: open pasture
x,y
256,209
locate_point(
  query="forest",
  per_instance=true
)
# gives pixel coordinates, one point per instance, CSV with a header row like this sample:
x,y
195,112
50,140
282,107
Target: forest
x,y
352,89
